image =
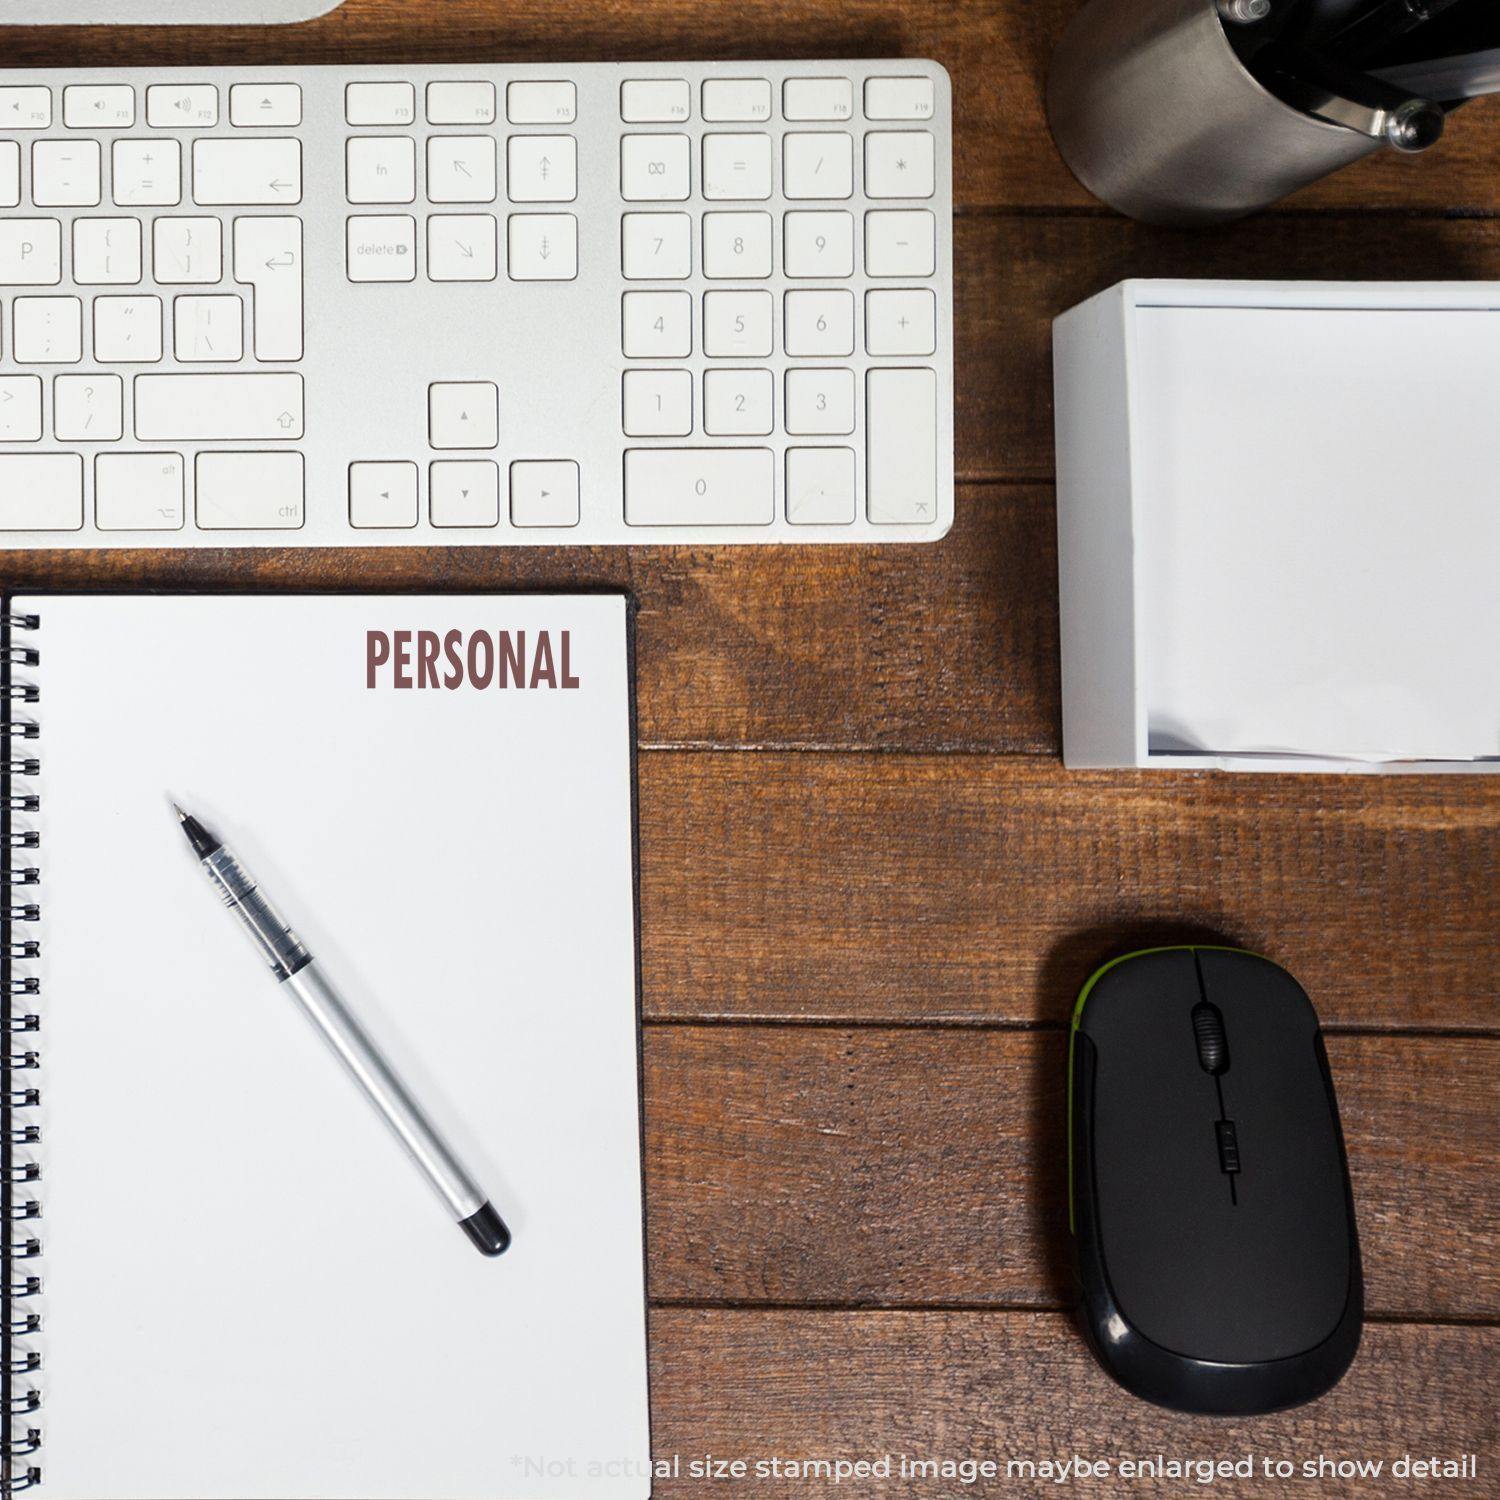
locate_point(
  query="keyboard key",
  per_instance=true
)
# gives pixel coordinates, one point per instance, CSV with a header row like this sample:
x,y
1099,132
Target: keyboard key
x,y
88,408
899,164
105,107
209,330
187,251
649,101
657,325
382,247
139,491
106,252
41,492
655,168
658,403
47,330
26,108
700,487
182,106
738,403
127,330
65,174
218,408
900,242
543,492
250,491
21,408
380,104
820,323
268,257
820,402
820,486
737,325
737,247
538,103
465,492
817,99
462,247
383,496
265,104
656,247
380,169
262,169
819,244
461,169
899,99
147,174
818,164
901,444
736,99
30,252
464,414
10,174
736,166
460,103
543,247
541,169
903,322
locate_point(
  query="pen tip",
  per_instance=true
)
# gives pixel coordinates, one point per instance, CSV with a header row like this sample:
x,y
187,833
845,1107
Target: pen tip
x,y
182,817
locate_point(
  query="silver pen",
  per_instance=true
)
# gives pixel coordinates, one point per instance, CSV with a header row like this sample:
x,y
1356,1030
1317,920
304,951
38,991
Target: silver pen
x,y
295,970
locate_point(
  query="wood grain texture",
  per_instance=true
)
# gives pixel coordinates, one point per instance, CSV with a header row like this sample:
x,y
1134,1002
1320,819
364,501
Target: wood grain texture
x,y
958,1384
797,1166
965,889
997,50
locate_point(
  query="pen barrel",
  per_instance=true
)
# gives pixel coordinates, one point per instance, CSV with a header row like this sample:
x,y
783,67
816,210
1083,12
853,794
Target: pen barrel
x,y
361,1058
272,935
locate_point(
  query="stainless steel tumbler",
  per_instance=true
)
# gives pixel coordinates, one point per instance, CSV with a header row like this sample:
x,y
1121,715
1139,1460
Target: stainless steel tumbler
x,y
1155,113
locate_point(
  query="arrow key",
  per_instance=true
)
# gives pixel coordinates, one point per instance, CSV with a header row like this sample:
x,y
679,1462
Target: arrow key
x,y
383,496
465,493
544,493
464,414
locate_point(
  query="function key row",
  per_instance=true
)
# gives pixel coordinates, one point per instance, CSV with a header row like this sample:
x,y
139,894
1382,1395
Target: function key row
x,y
528,102
169,106
664,101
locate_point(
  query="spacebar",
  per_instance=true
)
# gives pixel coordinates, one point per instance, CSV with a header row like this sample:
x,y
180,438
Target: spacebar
x,y
217,407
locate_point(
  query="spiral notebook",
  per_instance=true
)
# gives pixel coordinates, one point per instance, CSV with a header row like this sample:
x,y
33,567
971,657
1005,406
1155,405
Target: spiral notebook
x,y
223,1280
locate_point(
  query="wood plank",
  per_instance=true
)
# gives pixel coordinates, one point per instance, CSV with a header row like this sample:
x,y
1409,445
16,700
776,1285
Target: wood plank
x,y
1018,1385
997,50
962,889
797,1166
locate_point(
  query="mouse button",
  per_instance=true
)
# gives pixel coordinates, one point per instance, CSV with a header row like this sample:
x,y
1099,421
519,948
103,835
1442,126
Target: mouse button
x,y
1136,1003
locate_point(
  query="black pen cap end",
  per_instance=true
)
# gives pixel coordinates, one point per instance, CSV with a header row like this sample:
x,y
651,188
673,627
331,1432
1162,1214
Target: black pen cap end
x,y
487,1230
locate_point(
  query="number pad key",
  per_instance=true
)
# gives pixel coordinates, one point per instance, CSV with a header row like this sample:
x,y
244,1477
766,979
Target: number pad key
x,y
657,325
655,168
820,486
901,322
700,487
737,325
737,247
820,402
819,244
738,403
899,164
658,403
736,166
900,242
656,247
818,165
820,324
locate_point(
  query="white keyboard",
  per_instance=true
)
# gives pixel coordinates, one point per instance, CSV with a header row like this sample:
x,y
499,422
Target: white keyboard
x,y
603,303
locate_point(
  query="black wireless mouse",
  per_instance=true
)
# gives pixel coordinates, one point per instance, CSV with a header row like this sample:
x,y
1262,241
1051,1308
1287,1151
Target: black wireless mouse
x,y
1211,1210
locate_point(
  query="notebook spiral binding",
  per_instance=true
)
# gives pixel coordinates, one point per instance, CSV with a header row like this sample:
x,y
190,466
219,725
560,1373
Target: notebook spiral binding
x,y
20,1208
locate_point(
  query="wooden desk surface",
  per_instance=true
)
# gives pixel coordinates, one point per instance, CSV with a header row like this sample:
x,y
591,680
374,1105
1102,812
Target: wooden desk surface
x,y
870,891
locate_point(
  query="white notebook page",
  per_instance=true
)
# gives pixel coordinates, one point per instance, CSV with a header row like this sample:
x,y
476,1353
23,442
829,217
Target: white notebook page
x,y
250,1294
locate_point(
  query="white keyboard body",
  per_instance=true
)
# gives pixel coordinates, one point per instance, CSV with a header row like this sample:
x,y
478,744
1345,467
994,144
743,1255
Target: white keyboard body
x,y
542,305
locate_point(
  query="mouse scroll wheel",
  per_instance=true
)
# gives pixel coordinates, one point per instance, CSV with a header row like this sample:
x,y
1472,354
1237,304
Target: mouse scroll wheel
x,y
1213,1045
